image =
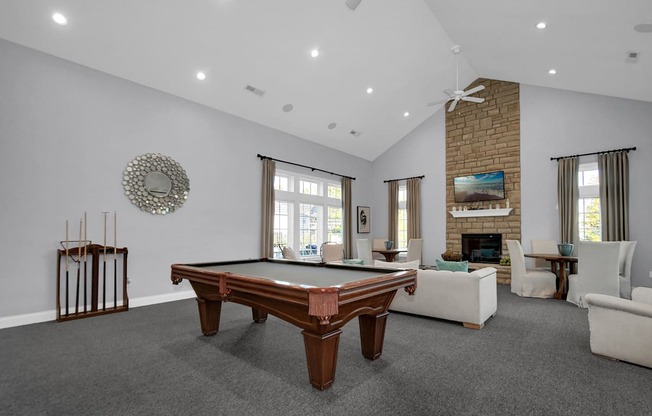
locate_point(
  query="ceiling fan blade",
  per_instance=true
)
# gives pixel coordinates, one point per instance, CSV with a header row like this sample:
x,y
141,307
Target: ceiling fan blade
x,y
452,107
473,99
474,90
450,93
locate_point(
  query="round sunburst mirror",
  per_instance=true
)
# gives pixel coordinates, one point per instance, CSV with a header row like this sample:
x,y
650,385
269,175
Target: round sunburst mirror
x,y
156,183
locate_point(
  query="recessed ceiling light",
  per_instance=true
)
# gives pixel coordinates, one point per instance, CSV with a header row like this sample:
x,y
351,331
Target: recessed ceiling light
x,y
552,71
60,19
288,107
314,53
201,76
332,126
370,90
406,114
541,25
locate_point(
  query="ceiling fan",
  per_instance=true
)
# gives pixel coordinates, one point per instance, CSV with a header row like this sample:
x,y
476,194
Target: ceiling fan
x,y
459,94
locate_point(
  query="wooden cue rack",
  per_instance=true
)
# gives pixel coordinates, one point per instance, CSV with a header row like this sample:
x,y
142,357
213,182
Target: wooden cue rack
x,y
99,280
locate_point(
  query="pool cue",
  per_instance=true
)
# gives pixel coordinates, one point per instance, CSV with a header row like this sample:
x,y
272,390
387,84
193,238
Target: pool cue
x,y
115,260
66,314
104,274
85,258
78,268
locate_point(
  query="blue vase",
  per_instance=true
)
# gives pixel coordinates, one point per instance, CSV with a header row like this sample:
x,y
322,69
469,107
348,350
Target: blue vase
x,y
389,244
565,249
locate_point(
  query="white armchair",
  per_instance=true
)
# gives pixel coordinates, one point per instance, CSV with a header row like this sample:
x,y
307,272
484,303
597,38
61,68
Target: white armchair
x,y
364,251
530,283
625,268
414,249
621,329
543,247
597,271
332,252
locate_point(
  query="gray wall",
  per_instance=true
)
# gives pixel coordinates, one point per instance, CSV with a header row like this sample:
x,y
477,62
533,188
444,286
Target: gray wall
x,y
553,123
559,123
67,133
421,152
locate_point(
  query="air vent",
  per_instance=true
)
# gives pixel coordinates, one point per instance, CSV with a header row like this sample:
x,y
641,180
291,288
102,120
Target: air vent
x,y
632,57
255,90
356,133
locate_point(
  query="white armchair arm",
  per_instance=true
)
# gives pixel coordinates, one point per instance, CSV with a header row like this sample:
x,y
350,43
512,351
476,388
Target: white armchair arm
x,y
622,328
625,305
642,294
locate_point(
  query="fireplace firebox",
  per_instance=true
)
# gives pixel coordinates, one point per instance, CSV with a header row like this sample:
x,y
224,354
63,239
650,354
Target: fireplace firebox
x,y
482,248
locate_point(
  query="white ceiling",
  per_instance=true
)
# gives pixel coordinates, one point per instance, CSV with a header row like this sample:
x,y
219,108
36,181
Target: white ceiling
x,y
401,48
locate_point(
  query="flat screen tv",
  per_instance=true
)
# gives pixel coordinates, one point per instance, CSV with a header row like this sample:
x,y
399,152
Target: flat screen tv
x,y
488,186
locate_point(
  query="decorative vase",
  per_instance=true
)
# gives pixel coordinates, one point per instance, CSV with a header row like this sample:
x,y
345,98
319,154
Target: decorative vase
x,y
389,244
565,249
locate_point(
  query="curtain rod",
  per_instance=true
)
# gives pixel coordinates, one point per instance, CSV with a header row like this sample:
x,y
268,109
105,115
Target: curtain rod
x,y
304,166
404,179
595,153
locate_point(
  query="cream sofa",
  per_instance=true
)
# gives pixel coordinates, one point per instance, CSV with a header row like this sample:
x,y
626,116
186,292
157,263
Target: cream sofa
x,y
469,298
622,328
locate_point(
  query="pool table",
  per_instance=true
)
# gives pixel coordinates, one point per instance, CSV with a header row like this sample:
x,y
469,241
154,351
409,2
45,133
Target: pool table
x,y
318,298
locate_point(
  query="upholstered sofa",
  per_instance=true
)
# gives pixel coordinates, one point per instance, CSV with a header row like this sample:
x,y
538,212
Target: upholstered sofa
x,y
467,297
622,328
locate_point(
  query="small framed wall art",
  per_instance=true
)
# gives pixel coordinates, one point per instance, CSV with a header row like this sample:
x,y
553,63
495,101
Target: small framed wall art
x,y
364,220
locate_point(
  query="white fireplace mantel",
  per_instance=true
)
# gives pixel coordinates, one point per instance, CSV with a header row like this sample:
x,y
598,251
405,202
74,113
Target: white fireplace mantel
x,y
499,212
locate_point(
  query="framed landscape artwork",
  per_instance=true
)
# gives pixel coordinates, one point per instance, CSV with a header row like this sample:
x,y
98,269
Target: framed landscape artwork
x,y
364,220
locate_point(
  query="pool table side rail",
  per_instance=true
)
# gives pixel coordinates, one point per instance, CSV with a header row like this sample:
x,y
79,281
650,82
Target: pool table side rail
x,y
321,302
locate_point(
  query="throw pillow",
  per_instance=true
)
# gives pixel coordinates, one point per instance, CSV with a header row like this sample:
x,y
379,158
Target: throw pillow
x,y
453,266
397,265
289,254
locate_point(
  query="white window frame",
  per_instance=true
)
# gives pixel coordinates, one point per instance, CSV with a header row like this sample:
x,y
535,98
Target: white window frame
x,y
295,198
586,192
401,231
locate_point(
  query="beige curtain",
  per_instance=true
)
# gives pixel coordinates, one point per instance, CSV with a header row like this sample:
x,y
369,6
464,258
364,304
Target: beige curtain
x,y
413,208
268,202
347,219
613,169
392,231
567,196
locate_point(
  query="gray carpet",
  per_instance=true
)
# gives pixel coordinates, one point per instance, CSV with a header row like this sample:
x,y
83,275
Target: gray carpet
x,y
532,358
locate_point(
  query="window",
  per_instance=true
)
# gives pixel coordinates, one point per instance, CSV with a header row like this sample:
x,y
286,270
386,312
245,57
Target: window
x,y
589,221
304,217
402,218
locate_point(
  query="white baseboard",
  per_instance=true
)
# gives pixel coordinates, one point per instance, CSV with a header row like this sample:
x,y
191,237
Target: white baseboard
x,y
45,316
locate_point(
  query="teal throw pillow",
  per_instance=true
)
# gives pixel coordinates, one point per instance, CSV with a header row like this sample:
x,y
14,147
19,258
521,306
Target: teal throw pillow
x,y
453,266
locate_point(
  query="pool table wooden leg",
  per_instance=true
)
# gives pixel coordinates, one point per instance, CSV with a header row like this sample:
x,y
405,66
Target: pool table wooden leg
x,y
258,315
321,355
209,315
372,334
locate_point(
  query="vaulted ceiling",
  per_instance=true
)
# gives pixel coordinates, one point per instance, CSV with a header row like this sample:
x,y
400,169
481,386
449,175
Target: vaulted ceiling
x,y
400,49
